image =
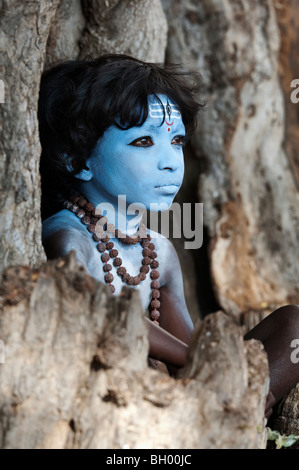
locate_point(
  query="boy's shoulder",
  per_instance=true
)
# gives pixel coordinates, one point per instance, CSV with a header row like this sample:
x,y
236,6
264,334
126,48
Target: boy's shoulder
x,y
62,220
161,241
63,232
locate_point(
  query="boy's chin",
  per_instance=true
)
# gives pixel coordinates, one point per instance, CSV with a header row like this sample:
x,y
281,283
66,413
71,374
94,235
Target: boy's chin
x,y
160,206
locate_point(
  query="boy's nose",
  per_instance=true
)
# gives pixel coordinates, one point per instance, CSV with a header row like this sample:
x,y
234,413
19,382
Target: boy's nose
x,y
170,159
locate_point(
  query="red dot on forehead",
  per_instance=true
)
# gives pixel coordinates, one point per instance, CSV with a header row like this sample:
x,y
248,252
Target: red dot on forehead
x,y
168,129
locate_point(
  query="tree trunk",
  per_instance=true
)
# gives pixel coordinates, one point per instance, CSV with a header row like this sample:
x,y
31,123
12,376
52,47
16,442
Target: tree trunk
x,y
24,32
76,373
286,419
65,33
137,28
75,356
288,23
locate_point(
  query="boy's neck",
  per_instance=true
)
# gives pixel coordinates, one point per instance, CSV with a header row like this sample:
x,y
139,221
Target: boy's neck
x,y
116,209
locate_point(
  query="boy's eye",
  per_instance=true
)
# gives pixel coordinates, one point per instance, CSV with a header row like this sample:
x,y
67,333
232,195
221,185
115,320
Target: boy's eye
x,y
179,140
142,142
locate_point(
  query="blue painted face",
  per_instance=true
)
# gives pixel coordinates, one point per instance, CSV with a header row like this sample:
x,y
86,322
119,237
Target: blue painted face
x,y
144,163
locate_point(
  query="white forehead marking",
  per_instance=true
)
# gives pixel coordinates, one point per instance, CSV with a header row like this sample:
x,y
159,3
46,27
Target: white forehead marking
x,y
156,111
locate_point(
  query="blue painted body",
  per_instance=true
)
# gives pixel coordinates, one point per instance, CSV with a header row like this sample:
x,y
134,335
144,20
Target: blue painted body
x,y
145,165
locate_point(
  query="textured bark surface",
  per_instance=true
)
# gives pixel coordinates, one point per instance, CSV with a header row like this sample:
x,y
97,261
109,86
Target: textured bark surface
x,y
288,23
135,27
24,30
246,184
65,33
76,361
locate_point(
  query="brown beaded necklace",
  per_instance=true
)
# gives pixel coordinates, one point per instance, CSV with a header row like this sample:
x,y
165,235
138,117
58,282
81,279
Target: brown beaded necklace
x,y
98,226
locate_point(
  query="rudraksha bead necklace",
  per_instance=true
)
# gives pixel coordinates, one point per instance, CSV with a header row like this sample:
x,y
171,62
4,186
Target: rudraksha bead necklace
x,y
99,227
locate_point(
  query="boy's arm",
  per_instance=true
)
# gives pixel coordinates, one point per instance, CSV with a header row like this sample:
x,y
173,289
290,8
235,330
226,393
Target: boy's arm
x,y
165,347
61,242
174,315
170,340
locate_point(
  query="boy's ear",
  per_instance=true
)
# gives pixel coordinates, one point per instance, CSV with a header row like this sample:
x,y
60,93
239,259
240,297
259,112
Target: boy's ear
x,y
84,175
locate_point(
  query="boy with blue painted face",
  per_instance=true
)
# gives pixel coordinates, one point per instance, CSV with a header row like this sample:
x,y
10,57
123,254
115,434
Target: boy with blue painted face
x,y
113,130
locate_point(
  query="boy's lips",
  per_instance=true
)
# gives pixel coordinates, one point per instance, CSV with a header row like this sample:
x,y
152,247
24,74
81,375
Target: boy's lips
x,y
175,183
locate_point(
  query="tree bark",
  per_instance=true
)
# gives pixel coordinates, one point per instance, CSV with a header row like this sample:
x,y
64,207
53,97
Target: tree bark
x,y
76,373
137,28
24,31
288,69
247,184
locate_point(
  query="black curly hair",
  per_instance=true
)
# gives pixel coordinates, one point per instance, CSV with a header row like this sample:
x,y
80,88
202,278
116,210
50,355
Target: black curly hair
x,y
79,100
